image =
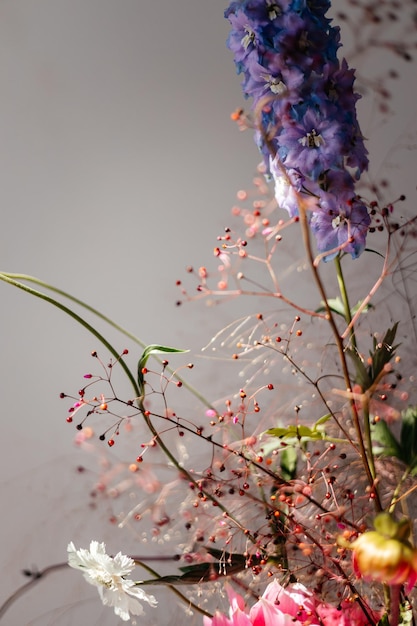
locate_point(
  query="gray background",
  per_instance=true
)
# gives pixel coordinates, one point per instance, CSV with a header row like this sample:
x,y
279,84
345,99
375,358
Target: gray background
x,y
118,167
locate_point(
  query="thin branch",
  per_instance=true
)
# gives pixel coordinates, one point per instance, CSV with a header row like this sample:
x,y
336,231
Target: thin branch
x,y
37,576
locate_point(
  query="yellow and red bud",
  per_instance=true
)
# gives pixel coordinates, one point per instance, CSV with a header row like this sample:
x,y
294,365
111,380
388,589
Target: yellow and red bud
x,y
388,561
385,555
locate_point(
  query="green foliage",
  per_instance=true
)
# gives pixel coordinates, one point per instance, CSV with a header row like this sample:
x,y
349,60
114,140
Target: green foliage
x,y
381,354
148,351
295,433
336,306
385,444
288,463
225,565
406,448
362,376
408,437
406,616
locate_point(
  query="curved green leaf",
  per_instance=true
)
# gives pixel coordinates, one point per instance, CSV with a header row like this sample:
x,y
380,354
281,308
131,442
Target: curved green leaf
x,y
148,351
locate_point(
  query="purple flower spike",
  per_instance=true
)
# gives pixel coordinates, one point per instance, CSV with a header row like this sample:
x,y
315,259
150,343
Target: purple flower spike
x,y
305,109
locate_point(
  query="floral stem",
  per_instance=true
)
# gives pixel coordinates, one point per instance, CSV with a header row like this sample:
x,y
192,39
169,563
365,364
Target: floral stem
x,y
394,610
34,292
37,281
397,490
14,280
368,438
340,349
345,300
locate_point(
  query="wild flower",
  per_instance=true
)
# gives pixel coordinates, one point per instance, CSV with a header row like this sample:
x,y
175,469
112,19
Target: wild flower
x,y
108,574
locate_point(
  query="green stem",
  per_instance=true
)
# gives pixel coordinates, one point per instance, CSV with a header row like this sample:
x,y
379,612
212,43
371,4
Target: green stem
x,y
36,281
11,279
68,296
367,433
334,439
340,348
34,292
345,300
365,405
397,490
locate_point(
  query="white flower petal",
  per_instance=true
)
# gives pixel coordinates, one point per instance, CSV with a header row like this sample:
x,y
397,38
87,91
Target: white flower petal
x,y
123,604
108,575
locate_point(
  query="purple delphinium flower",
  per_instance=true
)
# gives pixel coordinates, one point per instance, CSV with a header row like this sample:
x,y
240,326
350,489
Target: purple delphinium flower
x,y
340,225
312,145
274,84
305,111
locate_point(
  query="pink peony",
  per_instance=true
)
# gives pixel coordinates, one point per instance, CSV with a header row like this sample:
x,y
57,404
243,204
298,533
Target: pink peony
x,y
278,606
288,606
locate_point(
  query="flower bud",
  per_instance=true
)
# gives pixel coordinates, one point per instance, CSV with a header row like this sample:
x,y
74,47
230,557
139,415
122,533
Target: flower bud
x,y
384,554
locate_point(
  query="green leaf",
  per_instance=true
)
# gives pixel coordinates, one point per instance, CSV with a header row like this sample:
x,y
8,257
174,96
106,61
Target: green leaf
x,y
279,432
383,352
362,376
406,449
288,462
148,351
336,306
388,445
406,614
301,434
365,309
408,437
226,565
308,433
295,433
322,420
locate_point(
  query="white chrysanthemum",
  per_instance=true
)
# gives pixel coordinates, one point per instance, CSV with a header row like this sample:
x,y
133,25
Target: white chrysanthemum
x,y
108,575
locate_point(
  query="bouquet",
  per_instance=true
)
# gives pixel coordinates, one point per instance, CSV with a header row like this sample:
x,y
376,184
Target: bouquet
x,y
288,495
